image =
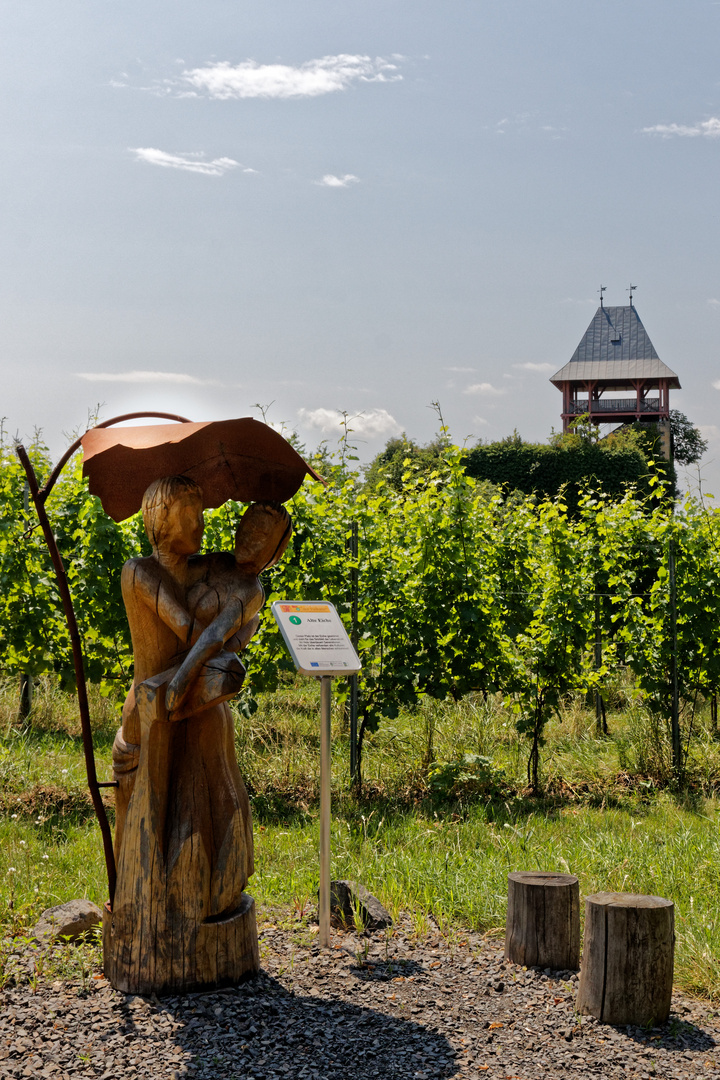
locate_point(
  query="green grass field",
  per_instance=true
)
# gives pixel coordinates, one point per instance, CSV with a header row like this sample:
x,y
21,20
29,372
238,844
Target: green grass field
x,y
433,833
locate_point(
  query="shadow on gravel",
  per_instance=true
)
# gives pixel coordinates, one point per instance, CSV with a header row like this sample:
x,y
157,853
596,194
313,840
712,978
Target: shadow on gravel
x,y
677,1035
262,1030
384,971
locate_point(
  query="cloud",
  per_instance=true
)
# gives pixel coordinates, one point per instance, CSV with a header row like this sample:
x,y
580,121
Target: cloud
x,y
143,377
709,129
186,162
534,367
483,388
716,384
461,370
337,181
528,122
224,81
371,422
713,302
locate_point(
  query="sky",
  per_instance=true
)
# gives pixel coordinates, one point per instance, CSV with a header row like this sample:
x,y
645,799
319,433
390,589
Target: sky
x,y
220,208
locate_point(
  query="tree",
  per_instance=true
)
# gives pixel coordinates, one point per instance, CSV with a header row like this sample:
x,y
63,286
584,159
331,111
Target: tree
x,y
688,444
392,462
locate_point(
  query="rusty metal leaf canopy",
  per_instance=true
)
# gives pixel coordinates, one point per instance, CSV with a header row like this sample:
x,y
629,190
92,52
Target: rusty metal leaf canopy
x,y
241,459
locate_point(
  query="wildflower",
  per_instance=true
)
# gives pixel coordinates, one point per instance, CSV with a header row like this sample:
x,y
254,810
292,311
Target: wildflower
x,y
11,870
13,816
23,843
46,856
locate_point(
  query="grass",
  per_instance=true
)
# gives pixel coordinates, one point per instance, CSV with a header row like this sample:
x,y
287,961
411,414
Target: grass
x,y
442,852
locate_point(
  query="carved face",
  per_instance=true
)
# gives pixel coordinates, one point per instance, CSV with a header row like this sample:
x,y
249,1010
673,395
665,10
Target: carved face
x,y
183,527
262,536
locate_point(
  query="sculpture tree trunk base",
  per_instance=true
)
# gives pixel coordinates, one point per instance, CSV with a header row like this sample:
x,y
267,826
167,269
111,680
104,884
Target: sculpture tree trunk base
x,y
627,966
185,957
543,920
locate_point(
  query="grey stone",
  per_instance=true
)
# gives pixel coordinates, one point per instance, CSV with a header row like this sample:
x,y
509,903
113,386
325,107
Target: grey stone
x,y
348,897
70,920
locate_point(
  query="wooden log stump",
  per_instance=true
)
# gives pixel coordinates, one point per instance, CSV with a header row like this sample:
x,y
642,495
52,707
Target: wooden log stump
x,y
542,928
627,966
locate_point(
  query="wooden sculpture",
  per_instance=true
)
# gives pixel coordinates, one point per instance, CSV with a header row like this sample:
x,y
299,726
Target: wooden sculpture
x,y
180,919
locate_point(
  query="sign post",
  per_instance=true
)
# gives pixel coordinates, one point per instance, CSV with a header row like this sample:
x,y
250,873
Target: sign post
x,y
320,647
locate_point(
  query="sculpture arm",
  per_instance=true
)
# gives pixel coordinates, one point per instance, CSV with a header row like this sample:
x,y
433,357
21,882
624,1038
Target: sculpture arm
x,y
208,644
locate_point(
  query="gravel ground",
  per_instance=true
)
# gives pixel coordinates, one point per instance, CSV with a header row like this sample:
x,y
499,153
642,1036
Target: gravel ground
x,y
388,1006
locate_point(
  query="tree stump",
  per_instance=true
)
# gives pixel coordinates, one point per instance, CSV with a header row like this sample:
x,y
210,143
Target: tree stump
x,y
627,969
542,928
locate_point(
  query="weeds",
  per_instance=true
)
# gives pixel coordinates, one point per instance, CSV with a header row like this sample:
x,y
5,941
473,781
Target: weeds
x,y
436,843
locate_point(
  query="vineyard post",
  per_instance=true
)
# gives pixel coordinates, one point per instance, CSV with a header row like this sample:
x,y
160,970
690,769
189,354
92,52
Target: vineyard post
x,y
600,719
354,638
26,679
675,709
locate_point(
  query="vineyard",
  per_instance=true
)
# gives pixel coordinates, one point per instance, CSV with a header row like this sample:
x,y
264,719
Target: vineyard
x,y
539,691
459,589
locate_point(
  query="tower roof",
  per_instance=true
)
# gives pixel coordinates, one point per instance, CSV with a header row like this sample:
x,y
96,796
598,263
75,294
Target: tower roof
x,y
615,346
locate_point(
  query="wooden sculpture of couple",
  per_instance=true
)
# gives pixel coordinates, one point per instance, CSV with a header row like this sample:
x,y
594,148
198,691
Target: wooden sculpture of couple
x,y
183,837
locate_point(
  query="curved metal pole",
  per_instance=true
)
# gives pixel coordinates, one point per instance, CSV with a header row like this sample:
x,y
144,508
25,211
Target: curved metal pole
x,y
39,496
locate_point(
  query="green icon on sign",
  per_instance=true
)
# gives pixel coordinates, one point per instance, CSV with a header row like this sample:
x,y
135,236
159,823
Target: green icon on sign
x,y
295,620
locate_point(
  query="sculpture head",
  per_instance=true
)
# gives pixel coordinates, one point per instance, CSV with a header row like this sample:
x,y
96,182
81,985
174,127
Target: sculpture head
x,y
172,510
262,536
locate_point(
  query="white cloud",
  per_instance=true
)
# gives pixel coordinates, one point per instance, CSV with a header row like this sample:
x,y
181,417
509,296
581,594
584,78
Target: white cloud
x,y
371,422
709,129
186,162
528,122
535,367
483,388
480,421
224,81
713,302
461,370
716,384
337,181
143,377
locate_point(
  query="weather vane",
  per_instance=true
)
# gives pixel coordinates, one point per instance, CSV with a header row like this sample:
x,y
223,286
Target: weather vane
x,y
601,290
631,290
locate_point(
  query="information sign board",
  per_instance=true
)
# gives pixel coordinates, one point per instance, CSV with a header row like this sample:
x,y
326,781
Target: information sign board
x,y
316,638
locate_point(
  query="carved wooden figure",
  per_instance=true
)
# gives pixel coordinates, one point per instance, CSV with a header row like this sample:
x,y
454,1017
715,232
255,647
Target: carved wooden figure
x,y
183,841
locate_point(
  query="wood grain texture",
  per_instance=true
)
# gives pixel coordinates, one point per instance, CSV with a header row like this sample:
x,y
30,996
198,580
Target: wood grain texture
x,y
628,958
542,928
195,956
180,919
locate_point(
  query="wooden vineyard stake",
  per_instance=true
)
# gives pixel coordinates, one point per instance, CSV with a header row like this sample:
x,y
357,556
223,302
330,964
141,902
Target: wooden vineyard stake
x,y
627,967
543,920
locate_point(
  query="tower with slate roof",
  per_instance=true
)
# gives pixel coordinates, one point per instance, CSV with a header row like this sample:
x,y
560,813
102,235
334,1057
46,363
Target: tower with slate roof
x,y
615,376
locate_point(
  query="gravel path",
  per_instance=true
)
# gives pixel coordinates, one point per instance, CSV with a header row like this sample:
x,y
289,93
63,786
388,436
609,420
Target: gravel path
x,y
384,1006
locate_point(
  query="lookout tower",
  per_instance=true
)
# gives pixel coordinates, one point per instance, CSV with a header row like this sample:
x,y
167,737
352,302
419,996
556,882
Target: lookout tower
x,y
615,375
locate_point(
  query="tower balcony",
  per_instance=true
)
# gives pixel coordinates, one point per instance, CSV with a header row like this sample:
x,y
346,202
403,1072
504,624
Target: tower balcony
x,y
614,405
